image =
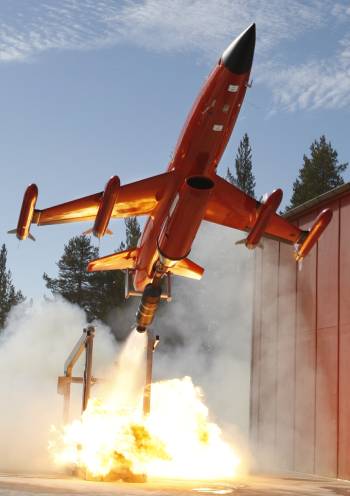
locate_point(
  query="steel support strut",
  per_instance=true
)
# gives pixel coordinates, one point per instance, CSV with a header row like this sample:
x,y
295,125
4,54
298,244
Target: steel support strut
x,y
64,382
152,342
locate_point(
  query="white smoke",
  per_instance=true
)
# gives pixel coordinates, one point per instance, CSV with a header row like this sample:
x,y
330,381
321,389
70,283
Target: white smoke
x,y
209,324
205,333
33,349
128,377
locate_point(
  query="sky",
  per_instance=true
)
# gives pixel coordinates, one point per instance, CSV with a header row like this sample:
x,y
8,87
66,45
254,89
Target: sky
x,y
90,89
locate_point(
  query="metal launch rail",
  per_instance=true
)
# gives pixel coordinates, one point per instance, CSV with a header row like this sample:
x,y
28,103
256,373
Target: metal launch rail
x,y
86,342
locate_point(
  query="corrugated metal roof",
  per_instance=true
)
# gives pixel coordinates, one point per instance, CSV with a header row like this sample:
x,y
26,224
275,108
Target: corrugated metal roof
x,y
315,203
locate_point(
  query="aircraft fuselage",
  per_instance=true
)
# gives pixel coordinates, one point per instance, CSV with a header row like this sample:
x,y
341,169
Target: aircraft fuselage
x,y
199,149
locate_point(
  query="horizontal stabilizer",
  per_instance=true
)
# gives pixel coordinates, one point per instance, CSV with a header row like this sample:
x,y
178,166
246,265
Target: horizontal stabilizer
x,y
187,268
90,231
117,261
241,241
244,242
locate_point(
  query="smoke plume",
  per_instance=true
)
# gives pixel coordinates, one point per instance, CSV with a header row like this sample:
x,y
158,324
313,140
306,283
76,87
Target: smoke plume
x,y
33,349
205,333
206,330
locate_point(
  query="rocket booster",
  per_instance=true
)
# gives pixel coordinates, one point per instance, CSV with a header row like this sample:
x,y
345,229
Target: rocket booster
x,y
314,234
148,306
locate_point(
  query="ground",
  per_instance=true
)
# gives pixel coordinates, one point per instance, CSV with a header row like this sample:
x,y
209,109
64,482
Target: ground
x,y
23,485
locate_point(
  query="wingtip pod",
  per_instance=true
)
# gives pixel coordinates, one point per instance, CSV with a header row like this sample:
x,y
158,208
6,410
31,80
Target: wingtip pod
x,y
264,213
26,214
105,210
314,234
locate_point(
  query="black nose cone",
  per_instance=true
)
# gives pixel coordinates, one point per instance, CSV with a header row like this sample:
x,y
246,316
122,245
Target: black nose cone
x,y
238,56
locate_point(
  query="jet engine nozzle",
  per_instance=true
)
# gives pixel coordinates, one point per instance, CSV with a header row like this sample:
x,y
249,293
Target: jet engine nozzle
x,y
313,235
148,306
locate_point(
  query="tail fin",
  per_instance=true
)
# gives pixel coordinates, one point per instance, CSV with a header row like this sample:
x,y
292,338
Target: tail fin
x,y
187,268
117,261
244,242
90,231
14,231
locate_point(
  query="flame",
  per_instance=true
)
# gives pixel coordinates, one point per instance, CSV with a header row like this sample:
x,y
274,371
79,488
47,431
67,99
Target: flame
x,y
114,440
176,440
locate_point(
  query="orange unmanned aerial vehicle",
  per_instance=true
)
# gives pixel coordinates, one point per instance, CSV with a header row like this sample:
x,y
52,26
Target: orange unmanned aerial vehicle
x,y
189,192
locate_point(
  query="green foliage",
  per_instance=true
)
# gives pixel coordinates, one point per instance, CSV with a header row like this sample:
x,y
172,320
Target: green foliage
x,y
319,173
230,177
96,292
132,233
74,283
8,294
244,178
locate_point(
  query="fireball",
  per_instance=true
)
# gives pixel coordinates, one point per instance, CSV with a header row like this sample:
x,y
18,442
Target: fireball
x,y
176,440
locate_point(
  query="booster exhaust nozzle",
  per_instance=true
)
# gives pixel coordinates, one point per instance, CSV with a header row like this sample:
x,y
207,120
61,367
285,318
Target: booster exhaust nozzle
x,y
148,306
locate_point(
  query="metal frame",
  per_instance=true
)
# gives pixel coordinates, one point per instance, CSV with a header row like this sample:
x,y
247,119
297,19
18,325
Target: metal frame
x,y
85,342
130,292
152,343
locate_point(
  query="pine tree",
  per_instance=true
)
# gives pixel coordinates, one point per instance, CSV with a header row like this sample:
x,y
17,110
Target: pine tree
x,y
98,292
318,174
74,283
133,232
230,177
8,294
244,178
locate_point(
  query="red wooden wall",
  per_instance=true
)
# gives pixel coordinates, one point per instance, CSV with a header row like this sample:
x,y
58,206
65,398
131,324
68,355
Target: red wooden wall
x,y
300,380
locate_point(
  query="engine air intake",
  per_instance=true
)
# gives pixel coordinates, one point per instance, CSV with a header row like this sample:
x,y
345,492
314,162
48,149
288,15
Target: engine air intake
x,y
199,182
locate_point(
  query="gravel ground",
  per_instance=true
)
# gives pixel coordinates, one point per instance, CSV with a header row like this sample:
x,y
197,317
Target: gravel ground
x,y
23,485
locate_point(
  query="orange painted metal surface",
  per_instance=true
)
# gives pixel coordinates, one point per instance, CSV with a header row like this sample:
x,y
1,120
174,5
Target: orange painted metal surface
x,y
190,191
27,212
316,230
311,421
105,210
184,218
264,214
198,151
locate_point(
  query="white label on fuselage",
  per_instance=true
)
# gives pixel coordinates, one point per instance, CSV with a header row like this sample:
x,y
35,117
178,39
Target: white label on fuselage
x,y
233,88
218,127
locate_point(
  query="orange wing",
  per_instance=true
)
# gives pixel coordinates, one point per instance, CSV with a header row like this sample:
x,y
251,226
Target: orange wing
x,y
231,207
138,198
117,261
187,268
